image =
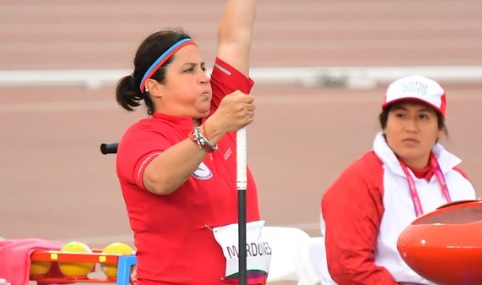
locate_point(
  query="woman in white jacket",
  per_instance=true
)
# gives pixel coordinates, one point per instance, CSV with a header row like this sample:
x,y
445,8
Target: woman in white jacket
x,y
408,173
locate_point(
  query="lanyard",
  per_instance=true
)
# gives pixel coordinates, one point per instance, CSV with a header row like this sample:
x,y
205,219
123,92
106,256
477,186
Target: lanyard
x,y
413,189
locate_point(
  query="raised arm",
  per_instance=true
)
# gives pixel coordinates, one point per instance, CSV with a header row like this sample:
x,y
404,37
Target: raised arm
x,y
235,33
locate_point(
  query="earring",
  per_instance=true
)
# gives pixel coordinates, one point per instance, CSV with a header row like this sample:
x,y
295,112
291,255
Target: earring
x,y
147,90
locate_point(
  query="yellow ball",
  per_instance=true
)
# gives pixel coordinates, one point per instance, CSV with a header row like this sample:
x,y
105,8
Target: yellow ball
x,y
76,269
110,270
40,267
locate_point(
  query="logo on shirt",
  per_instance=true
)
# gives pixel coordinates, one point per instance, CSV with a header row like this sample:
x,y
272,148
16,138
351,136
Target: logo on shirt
x,y
202,172
227,154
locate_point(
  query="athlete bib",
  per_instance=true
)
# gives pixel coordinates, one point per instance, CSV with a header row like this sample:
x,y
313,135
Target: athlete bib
x,y
258,252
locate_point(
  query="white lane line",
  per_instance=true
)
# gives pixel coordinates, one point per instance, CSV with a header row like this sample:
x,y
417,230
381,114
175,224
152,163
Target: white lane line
x,y
7,108
57,106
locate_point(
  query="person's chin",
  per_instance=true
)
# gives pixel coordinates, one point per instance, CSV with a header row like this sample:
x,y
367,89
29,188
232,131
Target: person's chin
x,y
409,154
203,113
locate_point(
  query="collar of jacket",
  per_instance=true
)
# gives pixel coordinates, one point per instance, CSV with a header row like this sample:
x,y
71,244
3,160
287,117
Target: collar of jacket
x,y
446,160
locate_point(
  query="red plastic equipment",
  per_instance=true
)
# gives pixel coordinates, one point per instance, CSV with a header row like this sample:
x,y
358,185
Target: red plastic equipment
x,y
124,265
445,246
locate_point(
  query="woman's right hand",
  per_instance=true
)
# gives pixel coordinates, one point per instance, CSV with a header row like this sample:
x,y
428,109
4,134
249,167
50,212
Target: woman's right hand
x,y
235,111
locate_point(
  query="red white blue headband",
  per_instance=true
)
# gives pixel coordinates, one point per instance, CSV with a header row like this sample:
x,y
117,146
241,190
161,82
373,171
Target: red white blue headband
x,y
163,58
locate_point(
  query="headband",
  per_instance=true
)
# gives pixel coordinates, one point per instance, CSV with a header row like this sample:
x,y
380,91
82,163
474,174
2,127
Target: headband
x,y
163,58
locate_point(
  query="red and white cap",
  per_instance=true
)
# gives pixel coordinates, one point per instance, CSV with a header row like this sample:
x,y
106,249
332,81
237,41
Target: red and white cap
x,y
419,88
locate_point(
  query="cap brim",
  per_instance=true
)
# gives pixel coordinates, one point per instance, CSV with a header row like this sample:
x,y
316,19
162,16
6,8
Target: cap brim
x,y
385,105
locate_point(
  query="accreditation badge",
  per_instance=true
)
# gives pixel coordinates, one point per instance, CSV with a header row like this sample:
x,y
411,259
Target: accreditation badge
x,y
258,252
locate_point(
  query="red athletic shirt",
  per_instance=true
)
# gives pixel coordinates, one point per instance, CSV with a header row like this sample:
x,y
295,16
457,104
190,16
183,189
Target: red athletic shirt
x,y
172,233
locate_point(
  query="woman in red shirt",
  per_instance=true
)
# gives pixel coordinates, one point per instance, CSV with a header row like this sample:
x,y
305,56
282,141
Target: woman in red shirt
x,y
177,167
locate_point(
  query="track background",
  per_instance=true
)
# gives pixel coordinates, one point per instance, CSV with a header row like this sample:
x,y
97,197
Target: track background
x,y
55,184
